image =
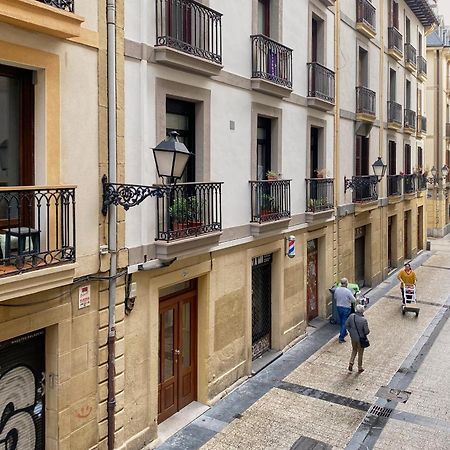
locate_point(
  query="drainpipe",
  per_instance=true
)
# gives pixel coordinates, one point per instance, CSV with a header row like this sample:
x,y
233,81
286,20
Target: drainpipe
x,y
438,135
112,215
336,162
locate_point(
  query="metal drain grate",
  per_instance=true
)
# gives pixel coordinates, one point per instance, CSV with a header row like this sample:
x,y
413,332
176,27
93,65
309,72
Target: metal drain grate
x,y
380,411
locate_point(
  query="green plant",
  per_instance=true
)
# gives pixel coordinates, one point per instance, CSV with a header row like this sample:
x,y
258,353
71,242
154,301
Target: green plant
x,y
184,209
272,175
267,202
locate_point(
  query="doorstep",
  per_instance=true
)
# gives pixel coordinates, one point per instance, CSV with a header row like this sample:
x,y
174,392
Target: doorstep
x,y
179,420
264,360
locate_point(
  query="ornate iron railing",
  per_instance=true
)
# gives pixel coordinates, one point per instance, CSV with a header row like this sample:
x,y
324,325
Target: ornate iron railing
x,y
271,61
410,119
67,5
395,40
394,112
37,228
366,14
188,210
421,182
421,65
319,194
364,188
410,54
270,200
409,183
190,27
394,185
365,101
421,124
321,82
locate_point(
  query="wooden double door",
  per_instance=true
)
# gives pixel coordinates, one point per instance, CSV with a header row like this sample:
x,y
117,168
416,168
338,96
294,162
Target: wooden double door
x,y
177,353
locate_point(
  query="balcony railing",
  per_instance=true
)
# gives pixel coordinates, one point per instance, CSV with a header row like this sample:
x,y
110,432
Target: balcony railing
x,y
447,130
365,101
395,40
421,124
421,182
394,185
410,54
319,194
410,119
421,65
270,200
366,14
409,183
365,188
271,61
189,27
37,228
320,82
394,113
67,5
188,210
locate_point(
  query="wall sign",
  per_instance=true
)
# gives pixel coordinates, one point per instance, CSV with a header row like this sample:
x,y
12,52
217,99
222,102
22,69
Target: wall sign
x,y
84,297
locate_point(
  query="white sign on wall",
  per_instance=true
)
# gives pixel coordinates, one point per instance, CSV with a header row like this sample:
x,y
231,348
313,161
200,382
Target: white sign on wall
x,y
84,297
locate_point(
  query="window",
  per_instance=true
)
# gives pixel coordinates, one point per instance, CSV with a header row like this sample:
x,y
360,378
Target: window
x,y
317,42
314,153
180,117
392,85
362,156
408,94
407,31
363,68
407,159
392,158
393,14
264,17
419,101
420,157
420,43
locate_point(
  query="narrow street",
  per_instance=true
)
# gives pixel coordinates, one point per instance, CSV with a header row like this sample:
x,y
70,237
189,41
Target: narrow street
x,y
307,398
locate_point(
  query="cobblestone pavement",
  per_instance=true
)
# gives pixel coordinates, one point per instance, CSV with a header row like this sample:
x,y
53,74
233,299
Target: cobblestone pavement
x,y
309,400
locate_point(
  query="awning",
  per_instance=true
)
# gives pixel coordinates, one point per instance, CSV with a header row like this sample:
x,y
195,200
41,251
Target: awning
x,y
423,11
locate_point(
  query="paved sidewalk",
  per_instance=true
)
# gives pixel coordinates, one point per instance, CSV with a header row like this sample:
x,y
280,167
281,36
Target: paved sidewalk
x,y
308,399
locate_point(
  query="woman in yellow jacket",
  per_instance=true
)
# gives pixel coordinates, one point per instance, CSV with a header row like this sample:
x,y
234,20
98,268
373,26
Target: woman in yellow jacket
x,y
407,277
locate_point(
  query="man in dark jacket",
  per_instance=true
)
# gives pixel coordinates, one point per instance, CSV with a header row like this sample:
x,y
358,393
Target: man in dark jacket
x,y
358,327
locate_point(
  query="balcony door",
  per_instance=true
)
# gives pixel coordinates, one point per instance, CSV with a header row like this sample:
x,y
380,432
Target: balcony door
x,y
392,158
16,127
264,147
177,352
362,156
392,85
363,68
407,159
180,117
264,17
179,21
393,14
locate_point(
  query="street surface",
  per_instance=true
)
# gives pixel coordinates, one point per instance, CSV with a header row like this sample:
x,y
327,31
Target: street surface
x,y
309,400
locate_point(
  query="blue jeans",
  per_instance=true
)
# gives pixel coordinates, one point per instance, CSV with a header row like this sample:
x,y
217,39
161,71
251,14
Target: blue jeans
x,y
343,316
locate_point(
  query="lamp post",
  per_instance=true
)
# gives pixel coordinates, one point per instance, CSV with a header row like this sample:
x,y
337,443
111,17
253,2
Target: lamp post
x,y
171,157
379,170
436,177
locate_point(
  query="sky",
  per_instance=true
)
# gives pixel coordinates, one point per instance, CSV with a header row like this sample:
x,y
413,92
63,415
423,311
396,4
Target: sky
x,y
444,9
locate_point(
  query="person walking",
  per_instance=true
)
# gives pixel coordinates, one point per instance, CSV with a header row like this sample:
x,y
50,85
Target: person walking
x,y
344,299
358,328
407,277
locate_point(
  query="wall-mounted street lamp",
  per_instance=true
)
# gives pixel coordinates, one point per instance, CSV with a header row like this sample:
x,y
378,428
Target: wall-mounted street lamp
x,y
436,177
379,170
171,157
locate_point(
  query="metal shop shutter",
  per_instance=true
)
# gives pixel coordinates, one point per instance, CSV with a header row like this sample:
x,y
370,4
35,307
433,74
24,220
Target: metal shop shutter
x,y
22,389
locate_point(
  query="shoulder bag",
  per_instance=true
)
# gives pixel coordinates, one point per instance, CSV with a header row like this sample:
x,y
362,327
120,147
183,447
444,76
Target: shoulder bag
x,y
363,341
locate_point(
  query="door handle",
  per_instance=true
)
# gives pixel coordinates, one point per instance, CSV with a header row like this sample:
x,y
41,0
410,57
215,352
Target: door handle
x,y
177,352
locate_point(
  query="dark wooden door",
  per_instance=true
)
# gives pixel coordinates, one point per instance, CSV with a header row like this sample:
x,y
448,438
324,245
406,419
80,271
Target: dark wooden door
x,y
360,255
405,236
311,279
177,353
264,150
390,253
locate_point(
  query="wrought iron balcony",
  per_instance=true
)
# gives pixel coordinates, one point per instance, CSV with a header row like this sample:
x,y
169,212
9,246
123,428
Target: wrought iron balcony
x,y
271,61
421,124
321,82
447,130
394,113
67,5
189,210
365,188
410,56
421,182
395,42
270,200
190,27
409,120
37,228
366,17
319,194
394,185
365,101
409,183
421,67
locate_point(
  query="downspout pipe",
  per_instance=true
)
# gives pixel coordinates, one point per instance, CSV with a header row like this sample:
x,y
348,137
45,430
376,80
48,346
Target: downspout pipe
x,y
112,215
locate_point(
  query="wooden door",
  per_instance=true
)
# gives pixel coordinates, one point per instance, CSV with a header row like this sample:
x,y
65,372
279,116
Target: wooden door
x,y
405,236
311,280
177,353
360,255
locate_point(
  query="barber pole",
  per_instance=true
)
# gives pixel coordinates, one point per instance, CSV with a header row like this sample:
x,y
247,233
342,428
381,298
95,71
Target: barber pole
x,y
290,246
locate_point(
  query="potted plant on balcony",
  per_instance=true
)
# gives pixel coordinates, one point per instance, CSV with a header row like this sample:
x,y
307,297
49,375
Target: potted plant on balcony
x,y
267,205
272,175
184,213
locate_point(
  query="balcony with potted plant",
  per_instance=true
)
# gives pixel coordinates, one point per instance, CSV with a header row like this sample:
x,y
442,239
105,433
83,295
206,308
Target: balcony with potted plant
x,y
409,124
270,203
319,198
